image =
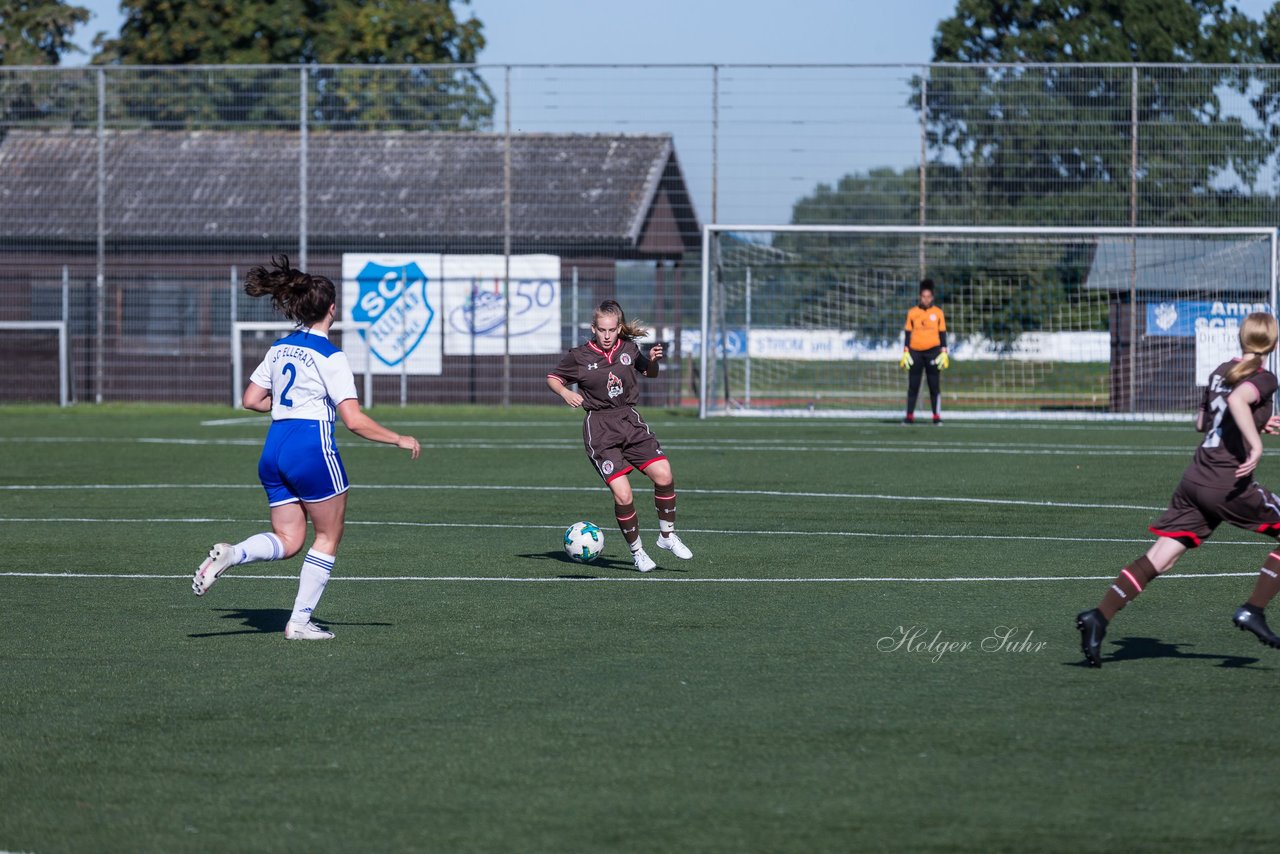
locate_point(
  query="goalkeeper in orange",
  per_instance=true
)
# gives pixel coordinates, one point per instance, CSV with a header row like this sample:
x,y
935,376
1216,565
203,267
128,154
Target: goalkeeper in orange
x,y
924,351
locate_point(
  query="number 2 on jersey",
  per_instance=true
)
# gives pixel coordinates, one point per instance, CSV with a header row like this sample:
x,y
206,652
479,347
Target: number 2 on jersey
x,y
292,373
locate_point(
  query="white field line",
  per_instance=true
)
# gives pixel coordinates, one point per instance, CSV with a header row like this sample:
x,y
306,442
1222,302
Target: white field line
x,y
772,423
962,579
867,446
767,493
202,520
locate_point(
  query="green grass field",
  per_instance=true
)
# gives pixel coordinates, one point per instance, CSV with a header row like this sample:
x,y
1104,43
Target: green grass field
x,y
484,694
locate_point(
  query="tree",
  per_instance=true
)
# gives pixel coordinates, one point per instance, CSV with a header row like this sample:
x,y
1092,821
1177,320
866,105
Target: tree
x,y
1052,144
38,32
318,33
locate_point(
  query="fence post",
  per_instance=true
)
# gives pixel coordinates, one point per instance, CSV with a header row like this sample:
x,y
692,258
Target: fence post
x,y
506,238
100,310
302,168
1133,243
924,158
64,360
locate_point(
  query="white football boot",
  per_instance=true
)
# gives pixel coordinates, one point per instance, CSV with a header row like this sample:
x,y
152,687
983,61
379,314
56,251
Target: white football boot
x,y
673,544
218,562
644,563
305,631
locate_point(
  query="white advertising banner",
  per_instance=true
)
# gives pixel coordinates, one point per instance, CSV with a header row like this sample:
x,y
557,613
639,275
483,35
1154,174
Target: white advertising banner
x,y
424,306
476,314
1214,345
400,296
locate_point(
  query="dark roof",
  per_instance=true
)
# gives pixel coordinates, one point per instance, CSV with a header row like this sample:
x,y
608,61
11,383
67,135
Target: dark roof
x,y
1182,264
236,185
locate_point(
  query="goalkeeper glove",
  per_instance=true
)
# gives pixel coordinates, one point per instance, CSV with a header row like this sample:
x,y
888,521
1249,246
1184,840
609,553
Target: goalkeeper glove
x,y
943,362
906,361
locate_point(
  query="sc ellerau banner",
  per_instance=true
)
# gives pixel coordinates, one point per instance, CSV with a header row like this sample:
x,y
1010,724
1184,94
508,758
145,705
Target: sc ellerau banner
x,y
1184,318
422,307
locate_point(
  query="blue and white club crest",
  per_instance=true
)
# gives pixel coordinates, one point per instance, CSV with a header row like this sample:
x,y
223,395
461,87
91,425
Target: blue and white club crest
x,y
393,300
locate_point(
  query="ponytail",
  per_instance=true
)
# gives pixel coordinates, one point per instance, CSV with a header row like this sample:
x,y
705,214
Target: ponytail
x,y
1258,335
1246,367
299,296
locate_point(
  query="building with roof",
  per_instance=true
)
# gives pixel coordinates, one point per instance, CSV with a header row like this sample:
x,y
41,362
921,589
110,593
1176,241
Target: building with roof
x,y
162,218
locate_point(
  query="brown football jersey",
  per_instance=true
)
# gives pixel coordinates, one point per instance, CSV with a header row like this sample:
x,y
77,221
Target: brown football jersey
x,y
606,380
1223,448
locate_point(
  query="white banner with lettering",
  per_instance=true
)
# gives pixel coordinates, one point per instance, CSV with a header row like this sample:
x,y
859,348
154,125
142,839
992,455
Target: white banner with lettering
x,y
476,313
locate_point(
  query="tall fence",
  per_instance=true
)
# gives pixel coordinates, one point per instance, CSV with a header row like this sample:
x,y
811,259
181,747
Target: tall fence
x,y
131,199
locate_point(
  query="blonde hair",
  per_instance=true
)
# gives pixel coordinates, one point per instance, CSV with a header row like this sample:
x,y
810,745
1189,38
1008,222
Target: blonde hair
x,y
1258,333
630,331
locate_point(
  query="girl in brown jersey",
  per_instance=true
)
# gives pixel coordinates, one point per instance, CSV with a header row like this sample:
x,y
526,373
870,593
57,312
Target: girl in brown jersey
x,y
1217,486
606,370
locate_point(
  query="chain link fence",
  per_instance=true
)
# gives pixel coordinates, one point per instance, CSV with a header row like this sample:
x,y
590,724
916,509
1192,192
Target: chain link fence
x,y
134,199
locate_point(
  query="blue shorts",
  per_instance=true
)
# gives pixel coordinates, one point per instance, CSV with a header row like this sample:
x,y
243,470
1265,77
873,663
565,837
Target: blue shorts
x,y
300,462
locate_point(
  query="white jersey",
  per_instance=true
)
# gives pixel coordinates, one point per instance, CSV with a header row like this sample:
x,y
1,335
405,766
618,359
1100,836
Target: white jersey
x,y
307,377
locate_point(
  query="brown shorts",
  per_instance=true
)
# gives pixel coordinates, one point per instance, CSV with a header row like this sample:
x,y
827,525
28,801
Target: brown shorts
x,y
1196,511
618,440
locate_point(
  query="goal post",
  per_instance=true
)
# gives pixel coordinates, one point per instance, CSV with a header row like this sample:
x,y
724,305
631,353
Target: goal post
x,y
60,328
1042,322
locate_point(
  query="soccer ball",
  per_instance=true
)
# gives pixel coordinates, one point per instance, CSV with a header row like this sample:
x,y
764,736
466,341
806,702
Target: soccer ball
x,y
583,542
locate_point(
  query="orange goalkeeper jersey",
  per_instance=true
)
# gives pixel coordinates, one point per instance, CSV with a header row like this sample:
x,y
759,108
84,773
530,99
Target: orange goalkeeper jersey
x,y
924,324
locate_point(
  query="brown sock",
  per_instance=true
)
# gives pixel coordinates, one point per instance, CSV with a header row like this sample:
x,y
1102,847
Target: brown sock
x,y
626,516
664,498
1268,582
1128,584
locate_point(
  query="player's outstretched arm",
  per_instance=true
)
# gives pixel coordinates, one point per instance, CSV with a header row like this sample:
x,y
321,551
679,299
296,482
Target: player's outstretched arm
x,y
655,355
366,428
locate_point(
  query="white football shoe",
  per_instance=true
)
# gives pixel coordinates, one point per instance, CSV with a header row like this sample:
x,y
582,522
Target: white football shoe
x,y
644,563
218,562
305,631
673,544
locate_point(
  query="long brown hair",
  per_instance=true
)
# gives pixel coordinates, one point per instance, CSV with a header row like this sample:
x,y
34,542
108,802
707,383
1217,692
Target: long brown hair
x,y
1258,335
630,331
302,297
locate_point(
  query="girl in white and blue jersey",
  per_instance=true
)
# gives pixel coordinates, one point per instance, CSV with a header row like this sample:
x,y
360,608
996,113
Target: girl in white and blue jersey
x,y
305,382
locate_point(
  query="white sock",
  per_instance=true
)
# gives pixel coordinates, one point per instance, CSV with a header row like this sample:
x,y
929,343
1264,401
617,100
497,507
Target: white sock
x,y
311,581
666,528
637,545
259,547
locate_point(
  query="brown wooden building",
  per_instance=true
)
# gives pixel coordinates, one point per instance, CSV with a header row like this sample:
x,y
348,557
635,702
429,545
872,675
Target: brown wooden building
x,y
170,214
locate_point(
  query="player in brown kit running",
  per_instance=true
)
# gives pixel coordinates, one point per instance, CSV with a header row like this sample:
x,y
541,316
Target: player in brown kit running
x,y
1217,487
607,370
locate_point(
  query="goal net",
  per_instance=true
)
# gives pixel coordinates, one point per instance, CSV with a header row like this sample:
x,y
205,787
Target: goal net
x,y
1118,323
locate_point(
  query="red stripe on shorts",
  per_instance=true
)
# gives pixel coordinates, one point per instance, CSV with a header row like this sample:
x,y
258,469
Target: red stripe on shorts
x,y
1175,534
611,478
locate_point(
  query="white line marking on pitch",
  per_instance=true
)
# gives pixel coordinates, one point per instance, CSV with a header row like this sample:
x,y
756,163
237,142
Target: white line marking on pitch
x,y
204,520
854,447
964,579
771,493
